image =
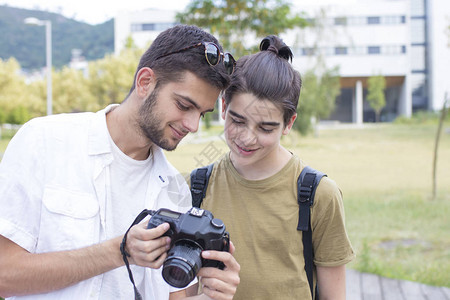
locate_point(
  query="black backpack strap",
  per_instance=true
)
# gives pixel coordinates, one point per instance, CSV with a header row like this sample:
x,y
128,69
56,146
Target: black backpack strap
x,y
199,183
307,182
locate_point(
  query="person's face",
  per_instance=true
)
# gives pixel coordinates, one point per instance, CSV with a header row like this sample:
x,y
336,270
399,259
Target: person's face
x,y
174,109
253,129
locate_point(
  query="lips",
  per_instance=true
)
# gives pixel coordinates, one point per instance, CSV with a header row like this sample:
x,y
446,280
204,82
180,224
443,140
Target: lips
x,y
178,134
245,150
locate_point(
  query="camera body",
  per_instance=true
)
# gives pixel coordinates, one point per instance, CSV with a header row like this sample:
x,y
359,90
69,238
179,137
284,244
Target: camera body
x,y
190,233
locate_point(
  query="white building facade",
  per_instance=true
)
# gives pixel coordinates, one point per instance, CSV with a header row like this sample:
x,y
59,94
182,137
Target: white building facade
x,y
142,26
406,41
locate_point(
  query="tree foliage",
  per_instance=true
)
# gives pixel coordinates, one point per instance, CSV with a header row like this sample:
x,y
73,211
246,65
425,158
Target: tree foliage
x,y
375,94
110,78
317,98
236,22
109,81
13,93
71,92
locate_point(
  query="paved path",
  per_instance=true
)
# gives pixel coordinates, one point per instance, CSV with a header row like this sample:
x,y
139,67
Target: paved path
x,y
364,286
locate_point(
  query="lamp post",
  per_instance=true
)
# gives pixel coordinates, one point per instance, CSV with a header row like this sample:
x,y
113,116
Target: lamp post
x,y
48,42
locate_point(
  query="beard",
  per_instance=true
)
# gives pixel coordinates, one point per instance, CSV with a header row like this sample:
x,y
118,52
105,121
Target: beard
x,y
151,124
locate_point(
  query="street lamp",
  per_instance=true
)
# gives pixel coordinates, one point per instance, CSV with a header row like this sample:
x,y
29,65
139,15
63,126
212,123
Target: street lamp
x,y
48,40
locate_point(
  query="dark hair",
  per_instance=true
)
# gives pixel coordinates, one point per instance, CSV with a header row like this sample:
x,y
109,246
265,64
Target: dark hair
x,y
269,75
171,68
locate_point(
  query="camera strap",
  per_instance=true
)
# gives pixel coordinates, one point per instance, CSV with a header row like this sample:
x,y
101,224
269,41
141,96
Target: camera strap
x,y
125,254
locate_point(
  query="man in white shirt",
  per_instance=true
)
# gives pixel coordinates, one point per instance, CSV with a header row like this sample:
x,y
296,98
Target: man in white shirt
x,y
71,184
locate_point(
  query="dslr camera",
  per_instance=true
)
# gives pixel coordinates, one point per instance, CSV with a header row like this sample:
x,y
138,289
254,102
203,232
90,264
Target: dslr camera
x,y
190,233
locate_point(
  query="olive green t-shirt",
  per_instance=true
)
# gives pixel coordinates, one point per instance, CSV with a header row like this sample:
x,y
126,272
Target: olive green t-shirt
x,y
262,216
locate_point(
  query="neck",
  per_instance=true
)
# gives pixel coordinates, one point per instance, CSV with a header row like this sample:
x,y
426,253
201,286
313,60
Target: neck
x,y
125,132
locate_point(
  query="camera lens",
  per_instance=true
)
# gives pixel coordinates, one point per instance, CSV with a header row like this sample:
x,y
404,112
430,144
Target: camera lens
x,y
182,264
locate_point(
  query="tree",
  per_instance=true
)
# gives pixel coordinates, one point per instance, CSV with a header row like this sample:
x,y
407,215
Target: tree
x,y
71,92
375,95
110,78
18,115
317,98
238,21
14,98
436,144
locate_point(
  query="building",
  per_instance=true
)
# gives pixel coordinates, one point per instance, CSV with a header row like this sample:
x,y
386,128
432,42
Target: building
x,y
406,41
142,26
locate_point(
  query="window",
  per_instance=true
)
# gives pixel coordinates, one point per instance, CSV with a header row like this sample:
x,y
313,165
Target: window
x,y
148,27
357,50
340,21
419,89
417,8
340,50
308,51
373,50
356,21
418,58
393,49
136,27
417,31
392,19
373,20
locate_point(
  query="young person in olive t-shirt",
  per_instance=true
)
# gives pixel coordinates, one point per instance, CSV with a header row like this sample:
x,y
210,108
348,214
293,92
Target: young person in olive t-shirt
x,y
253,188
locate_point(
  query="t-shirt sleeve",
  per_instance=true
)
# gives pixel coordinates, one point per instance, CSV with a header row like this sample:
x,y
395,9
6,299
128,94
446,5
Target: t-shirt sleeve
x,y
331,244
21,188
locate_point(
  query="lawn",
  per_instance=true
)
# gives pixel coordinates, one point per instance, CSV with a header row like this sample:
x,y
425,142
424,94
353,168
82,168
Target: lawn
x,y
385,174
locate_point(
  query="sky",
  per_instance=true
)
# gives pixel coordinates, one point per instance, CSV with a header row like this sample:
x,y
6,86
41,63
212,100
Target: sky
x,y
92,11
96,12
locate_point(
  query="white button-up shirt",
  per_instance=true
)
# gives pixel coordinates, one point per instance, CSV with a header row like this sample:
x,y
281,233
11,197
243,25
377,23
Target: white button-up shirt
x,y
54,182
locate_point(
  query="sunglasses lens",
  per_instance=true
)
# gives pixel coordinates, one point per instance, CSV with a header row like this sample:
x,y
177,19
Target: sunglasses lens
x,y
212,54
229,62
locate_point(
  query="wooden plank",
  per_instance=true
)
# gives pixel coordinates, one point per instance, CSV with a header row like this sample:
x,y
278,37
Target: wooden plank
x,y
433,292
391,289
371,287
411,290
446,292
365,286
353,285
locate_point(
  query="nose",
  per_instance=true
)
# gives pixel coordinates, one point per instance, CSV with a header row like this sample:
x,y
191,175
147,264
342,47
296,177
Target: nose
x,y
191,122
247,136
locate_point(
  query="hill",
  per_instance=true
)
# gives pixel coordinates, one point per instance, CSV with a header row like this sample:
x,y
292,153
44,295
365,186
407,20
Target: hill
x,y
27,43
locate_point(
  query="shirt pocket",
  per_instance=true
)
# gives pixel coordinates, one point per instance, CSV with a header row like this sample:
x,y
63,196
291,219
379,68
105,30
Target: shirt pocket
x,y
69,220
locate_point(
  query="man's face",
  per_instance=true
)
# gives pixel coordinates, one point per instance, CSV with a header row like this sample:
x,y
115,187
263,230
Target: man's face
x,y
174,109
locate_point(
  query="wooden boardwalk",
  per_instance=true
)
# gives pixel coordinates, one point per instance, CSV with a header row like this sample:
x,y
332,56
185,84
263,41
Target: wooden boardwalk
x,y
364,286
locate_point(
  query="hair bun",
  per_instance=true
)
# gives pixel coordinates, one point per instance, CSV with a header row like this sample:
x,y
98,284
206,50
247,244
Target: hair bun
x,y
276,45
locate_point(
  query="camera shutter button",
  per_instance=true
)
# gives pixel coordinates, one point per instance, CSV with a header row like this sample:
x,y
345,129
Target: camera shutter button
x,y
218,223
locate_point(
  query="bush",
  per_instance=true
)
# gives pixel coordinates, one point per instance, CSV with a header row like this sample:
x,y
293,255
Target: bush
x,y
419,117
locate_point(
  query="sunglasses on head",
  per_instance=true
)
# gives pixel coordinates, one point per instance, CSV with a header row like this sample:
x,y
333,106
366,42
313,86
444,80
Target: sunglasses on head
x,y
212,55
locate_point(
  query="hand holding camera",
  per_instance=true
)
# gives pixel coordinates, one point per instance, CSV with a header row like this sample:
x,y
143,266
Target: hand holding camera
x,y
198,245
190,234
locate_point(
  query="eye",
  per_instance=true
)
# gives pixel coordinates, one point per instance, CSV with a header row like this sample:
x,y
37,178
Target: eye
x,y
182,107
266,130
237,122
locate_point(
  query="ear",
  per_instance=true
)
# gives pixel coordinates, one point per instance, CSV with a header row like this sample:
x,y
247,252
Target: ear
x,y
145,82
289,125
224,108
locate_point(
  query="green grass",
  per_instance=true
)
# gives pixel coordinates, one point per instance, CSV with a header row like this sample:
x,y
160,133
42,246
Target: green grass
x,y
385,174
